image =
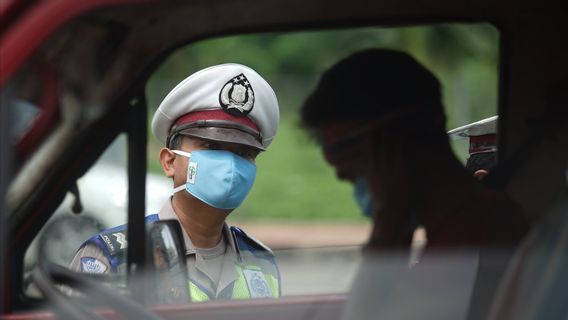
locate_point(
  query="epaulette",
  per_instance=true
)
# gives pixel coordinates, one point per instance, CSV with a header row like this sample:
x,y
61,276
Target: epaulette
x,y
114,239
247,242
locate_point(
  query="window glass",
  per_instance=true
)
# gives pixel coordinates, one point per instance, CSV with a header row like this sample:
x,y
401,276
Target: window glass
x,y
103,194
297,206
32,102
102,204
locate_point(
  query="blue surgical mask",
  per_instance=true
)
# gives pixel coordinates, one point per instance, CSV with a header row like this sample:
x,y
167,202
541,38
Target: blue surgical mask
x,y
219,178
363,197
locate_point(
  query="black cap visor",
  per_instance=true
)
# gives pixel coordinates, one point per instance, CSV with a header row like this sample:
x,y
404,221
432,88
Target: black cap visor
x,y
220,130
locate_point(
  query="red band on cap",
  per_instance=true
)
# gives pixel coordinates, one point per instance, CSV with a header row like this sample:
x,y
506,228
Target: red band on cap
x,y
214,115
484,143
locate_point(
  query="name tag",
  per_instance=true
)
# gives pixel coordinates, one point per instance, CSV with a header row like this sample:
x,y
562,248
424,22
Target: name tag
x,y
257,285
191,172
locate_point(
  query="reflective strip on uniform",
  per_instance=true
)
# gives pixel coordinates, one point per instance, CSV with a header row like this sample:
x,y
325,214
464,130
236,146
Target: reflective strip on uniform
x,y
196,294
273,285
240,286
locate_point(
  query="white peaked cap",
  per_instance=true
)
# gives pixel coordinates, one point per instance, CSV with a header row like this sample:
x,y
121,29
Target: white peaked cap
x,y
479,128
228,102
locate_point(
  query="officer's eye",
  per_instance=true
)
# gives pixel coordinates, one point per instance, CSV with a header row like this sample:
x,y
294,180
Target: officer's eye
x,y
210,145
245,155
249,155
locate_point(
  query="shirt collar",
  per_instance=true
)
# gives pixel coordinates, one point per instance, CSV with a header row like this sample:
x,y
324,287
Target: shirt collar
x,y
228,273
167,213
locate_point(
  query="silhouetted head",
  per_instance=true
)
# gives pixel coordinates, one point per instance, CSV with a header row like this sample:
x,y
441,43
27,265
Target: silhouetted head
x,y
372,96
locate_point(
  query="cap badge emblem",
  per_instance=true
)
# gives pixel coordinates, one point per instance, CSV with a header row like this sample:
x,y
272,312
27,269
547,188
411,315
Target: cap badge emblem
x,y
237,96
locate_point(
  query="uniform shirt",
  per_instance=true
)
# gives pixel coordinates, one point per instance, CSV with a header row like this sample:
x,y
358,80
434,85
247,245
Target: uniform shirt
x,y
213,258
458,256
489,219
211,269
534,286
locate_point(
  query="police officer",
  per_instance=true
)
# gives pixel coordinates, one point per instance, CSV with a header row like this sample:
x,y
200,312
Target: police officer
x,y
482,137
213,125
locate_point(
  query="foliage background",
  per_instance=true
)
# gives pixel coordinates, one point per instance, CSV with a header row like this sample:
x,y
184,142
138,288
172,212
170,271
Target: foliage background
x,y
293,180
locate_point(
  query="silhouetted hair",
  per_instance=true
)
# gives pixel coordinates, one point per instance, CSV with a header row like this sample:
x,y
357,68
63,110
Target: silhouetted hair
x,y
370,84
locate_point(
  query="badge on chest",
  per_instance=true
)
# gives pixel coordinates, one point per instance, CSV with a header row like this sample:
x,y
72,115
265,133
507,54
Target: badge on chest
x,y
257,285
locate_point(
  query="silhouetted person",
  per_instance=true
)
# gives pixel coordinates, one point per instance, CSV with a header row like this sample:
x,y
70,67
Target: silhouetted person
x,y
379,117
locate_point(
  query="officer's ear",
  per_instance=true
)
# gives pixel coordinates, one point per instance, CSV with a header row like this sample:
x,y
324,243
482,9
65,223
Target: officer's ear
x,y
167,158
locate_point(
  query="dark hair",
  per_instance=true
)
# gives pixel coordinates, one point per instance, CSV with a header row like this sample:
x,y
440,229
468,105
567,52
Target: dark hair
x,y
175,142
370,84
478,161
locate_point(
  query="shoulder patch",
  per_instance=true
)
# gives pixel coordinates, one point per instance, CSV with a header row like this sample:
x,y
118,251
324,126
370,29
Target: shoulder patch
x,y
248,242
92,265
114,241
113,244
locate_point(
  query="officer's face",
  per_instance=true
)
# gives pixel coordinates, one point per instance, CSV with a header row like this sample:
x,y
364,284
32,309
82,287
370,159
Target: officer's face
x,y
190,144
193,143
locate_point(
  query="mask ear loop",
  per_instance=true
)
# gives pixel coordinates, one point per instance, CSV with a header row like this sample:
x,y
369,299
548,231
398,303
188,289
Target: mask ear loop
x,y
179,188
183,154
